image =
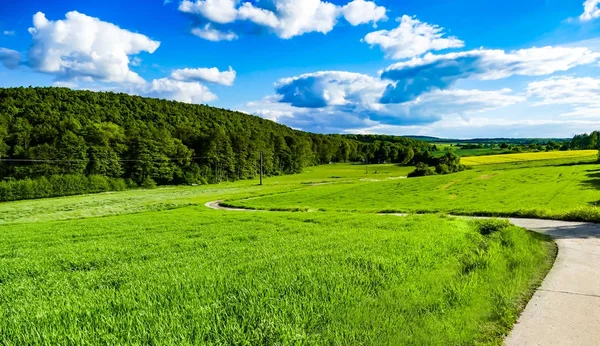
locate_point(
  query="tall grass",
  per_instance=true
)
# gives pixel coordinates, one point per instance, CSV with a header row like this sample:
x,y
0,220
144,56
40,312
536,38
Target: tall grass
x,y
195,276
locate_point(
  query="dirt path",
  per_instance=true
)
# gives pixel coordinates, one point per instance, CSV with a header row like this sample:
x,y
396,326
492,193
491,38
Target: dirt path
x,y
565,310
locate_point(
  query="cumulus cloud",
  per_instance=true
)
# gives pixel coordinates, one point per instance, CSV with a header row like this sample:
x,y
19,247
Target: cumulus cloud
x,y
590,10
10,58
217,11
329,88
210,34
210,75
333,101
84,47
285,18
188,92
362,12
411,38
420,75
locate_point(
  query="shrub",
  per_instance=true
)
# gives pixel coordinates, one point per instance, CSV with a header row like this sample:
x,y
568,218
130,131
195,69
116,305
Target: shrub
x,y
58,185
148,183
421,171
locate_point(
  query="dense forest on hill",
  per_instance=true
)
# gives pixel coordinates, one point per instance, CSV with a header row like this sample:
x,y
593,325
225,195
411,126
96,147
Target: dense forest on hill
x,y
48,132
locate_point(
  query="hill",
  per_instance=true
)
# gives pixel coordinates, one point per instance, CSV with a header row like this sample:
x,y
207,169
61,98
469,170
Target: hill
x,y
57,131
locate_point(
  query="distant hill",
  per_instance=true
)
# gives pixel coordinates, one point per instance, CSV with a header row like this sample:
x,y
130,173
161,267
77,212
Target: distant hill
x,y
489,140
58,131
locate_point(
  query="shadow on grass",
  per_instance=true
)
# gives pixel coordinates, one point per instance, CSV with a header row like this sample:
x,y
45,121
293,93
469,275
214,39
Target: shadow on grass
x,y
592,182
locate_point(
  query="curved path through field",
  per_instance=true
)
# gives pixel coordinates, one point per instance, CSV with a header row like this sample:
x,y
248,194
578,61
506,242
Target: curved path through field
x,y
565,310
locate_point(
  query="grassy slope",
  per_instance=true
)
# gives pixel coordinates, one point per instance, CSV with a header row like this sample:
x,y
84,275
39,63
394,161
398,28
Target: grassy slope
x,y
560,189
160,268
194,275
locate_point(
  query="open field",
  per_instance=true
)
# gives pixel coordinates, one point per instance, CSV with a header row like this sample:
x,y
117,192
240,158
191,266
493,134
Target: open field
x,y
172,277
505,158
565,189
157,267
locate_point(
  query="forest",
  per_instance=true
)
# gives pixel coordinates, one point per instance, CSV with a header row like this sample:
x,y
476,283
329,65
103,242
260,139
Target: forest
x,y
47,132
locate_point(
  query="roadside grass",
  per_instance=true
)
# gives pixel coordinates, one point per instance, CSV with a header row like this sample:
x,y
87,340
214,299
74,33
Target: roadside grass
x,y
566,189
504,158
197,276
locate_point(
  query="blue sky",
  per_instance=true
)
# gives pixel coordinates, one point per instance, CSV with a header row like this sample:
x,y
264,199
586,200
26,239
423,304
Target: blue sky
x,y
451,68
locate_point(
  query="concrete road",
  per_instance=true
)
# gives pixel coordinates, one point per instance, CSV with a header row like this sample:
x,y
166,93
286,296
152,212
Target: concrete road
x,y
565,310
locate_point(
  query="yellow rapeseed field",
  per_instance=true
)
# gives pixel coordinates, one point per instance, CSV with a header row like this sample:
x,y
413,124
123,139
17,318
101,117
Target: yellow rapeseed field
x,y
493,159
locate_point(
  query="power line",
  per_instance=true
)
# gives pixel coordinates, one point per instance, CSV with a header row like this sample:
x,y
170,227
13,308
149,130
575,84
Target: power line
x,y
104,160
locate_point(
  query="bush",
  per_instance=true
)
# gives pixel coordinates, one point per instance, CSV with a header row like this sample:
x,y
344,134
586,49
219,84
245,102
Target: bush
x,y
421,171
58,185
148,183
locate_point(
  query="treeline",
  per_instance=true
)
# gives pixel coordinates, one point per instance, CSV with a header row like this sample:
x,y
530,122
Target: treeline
x,y
585,141
47,132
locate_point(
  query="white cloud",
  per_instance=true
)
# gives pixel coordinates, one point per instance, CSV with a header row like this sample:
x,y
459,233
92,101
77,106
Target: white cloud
x,y
332,101
136,61
362,12
8,33
10,58
285,18
411,38
211,75
217,11
210,34
420,75
590,10
566,90
166,88
330,88
85,47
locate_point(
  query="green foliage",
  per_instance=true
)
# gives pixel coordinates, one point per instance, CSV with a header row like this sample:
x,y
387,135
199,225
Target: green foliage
x,y
422,170
58,185
446,164
57,131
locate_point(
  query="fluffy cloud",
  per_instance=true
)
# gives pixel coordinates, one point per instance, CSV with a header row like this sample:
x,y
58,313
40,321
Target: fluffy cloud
x,y
566,90
411,38
362,12
590,10
217,11
333,101
285,18
83,47
9,58
210,34
329,88
210,75
420,75
188,92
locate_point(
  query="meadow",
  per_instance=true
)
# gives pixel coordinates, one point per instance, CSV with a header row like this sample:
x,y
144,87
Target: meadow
x,y
157,267
523,157
566,189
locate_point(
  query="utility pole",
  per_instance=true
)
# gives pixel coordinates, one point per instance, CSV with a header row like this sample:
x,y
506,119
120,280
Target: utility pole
x,y
261,168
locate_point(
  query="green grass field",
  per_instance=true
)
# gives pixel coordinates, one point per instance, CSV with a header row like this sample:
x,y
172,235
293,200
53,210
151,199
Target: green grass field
x,y
565,189
521,157
157,267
